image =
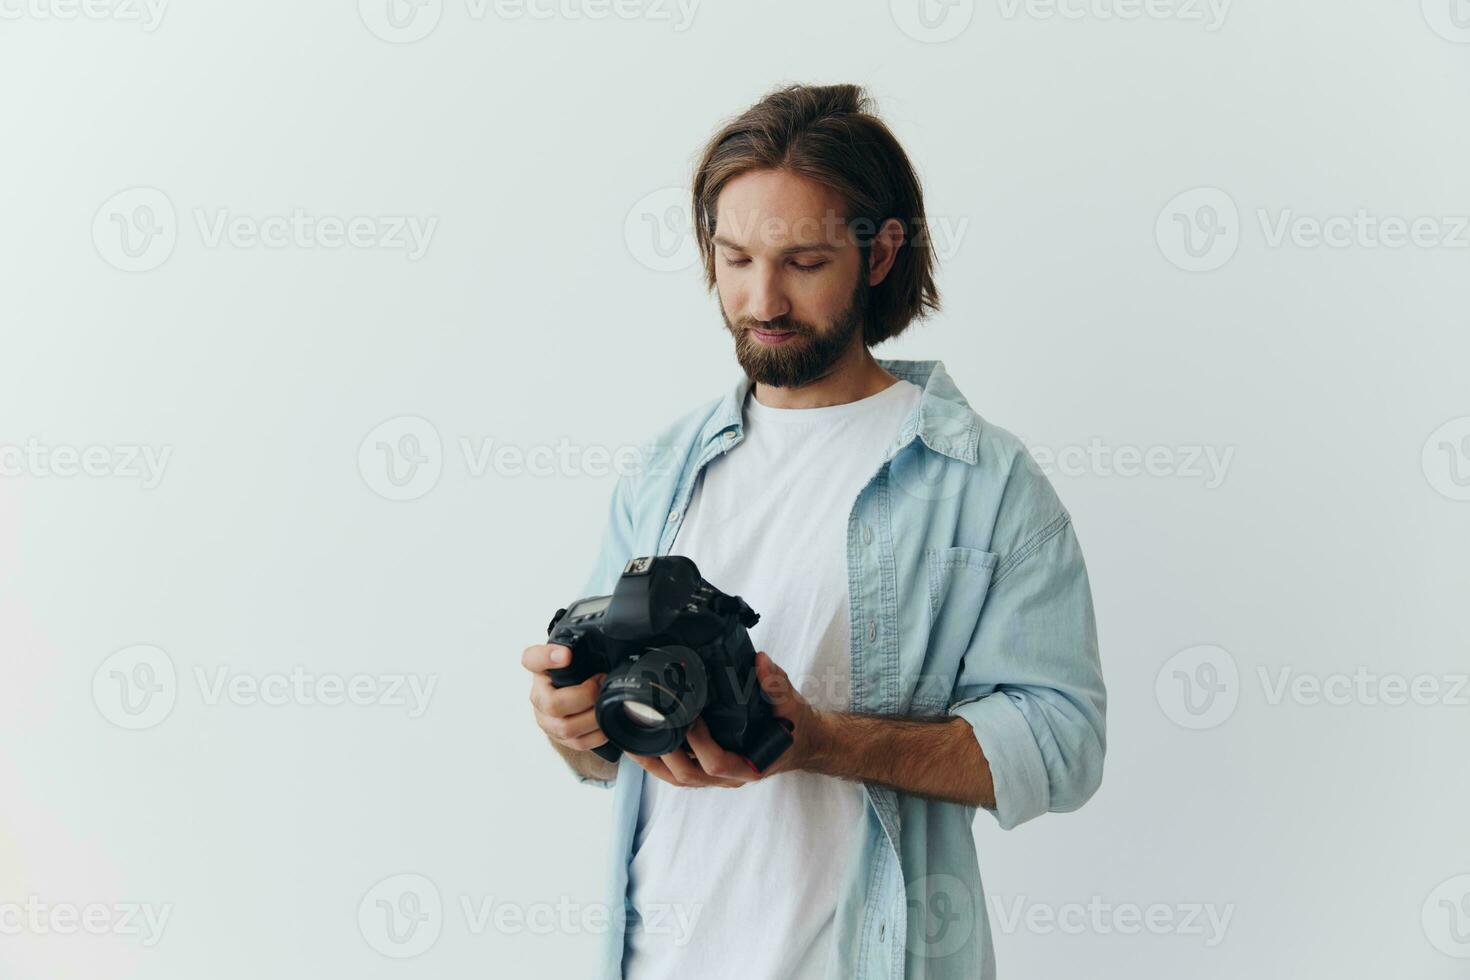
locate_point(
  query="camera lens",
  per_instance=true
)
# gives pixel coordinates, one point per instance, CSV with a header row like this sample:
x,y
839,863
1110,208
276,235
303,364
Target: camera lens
x,y
647,705
642,714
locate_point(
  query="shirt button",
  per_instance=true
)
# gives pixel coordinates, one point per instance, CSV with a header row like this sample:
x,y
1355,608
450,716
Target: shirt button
x,y
872,630
882,929
730,435
867,534
673,516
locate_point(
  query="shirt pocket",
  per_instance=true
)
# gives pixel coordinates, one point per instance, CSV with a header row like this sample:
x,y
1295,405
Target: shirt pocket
x,y
958,580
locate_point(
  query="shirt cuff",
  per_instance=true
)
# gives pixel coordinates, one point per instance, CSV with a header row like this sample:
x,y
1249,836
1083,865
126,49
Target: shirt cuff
x,y
1016,767
603,783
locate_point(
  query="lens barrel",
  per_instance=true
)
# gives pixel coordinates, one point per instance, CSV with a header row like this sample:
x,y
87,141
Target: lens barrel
x,y
647,704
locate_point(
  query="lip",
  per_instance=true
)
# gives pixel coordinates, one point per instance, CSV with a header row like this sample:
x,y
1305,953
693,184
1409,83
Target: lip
x,y
773,338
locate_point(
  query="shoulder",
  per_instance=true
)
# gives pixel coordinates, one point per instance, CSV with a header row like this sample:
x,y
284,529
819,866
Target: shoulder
x,y
663,453
1026,508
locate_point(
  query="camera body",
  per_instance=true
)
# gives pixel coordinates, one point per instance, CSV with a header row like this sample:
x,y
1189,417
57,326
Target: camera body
x,y
674,648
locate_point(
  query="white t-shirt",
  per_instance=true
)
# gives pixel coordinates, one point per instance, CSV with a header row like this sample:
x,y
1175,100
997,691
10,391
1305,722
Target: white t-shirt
x,y
744,882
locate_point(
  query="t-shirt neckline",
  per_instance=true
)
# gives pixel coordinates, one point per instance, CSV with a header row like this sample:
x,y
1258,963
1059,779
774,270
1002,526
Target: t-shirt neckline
x,y
826,413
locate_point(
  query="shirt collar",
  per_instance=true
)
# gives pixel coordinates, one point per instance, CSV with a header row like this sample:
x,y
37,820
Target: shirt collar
x,y
944,421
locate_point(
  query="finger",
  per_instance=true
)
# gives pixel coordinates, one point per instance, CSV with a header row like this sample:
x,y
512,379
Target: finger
x,y
716,760
569,727
544,656
562,701
773,680
690,773
654,767
591,740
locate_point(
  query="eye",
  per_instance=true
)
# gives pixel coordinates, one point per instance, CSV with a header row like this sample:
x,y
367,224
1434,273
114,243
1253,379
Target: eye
x,y
809,268
737,262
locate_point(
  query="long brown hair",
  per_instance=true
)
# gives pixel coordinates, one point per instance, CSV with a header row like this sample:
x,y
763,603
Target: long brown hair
x,y
830,134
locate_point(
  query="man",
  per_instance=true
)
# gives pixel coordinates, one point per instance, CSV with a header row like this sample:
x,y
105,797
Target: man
x,y
926,625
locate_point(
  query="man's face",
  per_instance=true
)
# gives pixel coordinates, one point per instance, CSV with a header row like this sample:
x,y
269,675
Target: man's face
x,y
793,292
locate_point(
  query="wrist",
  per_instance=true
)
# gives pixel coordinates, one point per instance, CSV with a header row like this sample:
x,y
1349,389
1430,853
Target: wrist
x,y
816,745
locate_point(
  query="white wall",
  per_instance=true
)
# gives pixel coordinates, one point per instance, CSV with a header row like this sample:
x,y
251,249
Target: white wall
x,y
1053,141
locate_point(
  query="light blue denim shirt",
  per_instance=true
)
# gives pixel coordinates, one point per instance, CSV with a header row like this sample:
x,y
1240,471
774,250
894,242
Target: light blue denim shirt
x,y
968,597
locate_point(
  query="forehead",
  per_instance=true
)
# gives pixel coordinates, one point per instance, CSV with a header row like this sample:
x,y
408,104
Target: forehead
x,y
773,209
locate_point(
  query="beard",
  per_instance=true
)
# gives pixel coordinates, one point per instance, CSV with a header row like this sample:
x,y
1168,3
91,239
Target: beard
x,y
807,356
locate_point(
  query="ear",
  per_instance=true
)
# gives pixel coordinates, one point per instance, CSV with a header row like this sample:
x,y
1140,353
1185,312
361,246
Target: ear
x,y
884,251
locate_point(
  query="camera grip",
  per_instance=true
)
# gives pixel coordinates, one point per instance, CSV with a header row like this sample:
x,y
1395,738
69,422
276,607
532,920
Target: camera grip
x,y
771,739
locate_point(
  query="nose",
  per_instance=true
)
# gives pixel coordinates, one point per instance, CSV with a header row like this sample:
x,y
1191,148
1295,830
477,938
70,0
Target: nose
x,y
767,301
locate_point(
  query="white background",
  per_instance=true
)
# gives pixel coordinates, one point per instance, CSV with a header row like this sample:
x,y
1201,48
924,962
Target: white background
x,y
546,311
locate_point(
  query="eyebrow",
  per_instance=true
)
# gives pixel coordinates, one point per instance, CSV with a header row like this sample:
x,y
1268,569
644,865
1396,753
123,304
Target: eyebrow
x,y
813,247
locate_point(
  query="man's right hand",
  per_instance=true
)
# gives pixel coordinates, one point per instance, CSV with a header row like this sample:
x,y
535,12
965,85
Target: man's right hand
x,y
565,714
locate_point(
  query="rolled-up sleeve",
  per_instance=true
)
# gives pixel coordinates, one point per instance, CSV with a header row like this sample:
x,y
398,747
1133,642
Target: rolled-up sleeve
x,y
1030,683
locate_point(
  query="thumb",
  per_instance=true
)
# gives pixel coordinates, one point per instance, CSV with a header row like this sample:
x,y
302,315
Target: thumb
x,y
773,679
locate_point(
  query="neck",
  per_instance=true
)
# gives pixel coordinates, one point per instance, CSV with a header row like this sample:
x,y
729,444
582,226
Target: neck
x,y
855,375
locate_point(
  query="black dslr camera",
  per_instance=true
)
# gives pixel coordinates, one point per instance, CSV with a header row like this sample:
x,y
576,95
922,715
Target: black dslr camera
x,y
674,648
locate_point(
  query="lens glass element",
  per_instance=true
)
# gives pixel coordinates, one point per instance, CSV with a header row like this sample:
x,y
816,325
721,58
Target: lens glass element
x,y
642,714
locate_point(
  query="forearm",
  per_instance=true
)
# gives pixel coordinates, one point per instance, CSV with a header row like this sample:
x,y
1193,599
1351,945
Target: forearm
x,y
585,762
934,757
